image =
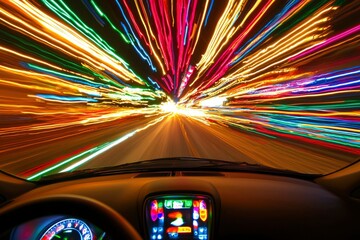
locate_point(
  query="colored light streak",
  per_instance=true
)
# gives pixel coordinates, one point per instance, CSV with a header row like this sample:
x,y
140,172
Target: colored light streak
x,y
278,69
329,41
92,153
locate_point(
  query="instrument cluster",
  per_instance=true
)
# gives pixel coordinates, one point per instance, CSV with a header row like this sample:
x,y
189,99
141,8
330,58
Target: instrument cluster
x,y
58,227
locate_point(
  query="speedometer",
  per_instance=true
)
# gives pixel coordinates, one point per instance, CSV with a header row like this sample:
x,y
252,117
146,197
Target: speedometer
x,y
70,229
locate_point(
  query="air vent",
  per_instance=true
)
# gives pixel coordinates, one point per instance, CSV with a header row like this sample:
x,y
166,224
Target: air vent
x,y
153,174
201,174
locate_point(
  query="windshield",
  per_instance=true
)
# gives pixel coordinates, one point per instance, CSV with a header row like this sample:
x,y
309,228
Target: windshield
x,y
93,84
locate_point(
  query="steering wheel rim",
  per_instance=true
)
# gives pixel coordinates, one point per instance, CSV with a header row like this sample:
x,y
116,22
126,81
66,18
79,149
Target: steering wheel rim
x,y
97,213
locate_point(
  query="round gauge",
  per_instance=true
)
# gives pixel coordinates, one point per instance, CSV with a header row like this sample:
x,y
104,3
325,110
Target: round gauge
x,y
69,229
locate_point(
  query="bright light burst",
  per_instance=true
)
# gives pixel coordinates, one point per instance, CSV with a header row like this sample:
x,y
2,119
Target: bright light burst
x,y
281,69
213,102
174,108
169,107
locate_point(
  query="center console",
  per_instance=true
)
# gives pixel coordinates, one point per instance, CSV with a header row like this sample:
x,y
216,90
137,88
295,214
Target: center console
x,y
179,216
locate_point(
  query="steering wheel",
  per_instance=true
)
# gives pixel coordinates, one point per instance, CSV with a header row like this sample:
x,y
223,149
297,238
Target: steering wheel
x,y
106,218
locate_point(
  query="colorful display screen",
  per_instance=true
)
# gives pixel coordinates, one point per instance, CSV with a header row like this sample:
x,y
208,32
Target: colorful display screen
x,y
178,217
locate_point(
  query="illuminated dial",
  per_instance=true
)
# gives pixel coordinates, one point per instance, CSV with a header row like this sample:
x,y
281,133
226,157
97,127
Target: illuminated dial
x,y
68,229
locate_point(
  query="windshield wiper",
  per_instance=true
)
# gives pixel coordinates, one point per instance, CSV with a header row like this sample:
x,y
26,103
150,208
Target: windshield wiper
x,y
174,164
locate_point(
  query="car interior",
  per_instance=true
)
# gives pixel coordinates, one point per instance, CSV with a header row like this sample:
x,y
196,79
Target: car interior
x,y
229,205
179,119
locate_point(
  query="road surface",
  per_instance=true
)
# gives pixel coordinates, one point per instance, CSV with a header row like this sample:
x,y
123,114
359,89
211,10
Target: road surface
x,y
144,138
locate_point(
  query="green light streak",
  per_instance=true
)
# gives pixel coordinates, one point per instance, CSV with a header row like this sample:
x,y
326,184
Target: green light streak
x,y
318,138
60,164
350,104
65,13
345,135
98,150
108,20
41,51
102,148
60,74
248,130
309,9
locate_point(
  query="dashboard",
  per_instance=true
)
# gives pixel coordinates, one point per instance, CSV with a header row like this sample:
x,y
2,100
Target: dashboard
x,y
186,216
198,205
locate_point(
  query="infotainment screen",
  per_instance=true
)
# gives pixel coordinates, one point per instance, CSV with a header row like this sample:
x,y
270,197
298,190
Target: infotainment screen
x,y
178,217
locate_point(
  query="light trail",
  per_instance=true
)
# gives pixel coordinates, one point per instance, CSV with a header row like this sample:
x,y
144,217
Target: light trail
x,y
283,70
92,153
